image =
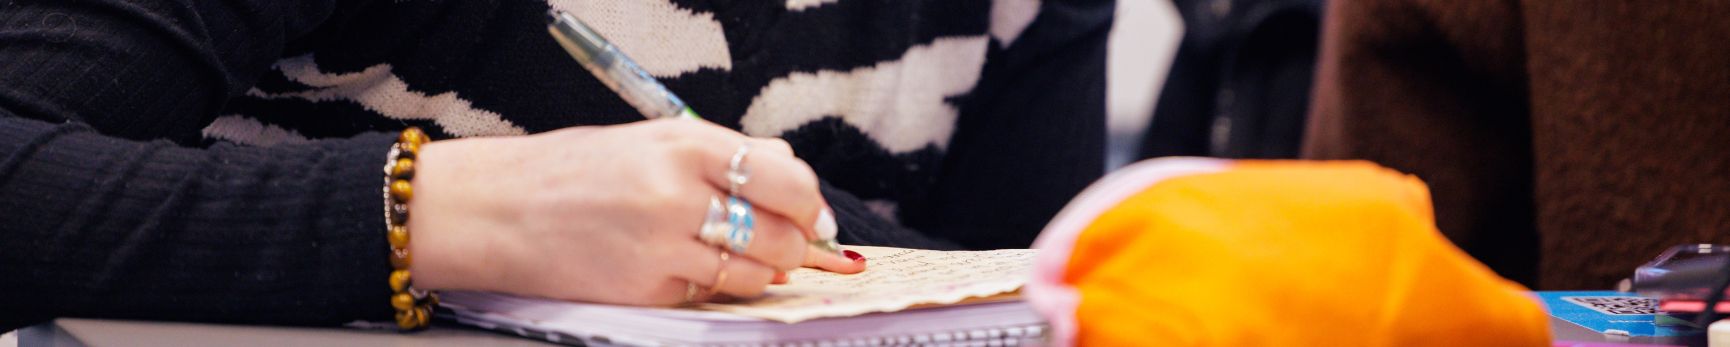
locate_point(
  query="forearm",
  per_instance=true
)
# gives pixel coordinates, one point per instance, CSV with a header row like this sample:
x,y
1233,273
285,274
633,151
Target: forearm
x,y
101,227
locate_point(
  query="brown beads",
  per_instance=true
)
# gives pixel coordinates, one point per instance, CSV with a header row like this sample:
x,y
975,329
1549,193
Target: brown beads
x,y
399,213
410,150
412,135
402,301
400,259
398,236
401,191
399,281
403,169
411,319
413,307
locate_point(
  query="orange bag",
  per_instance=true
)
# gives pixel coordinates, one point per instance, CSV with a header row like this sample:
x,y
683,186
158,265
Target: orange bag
x,y
1206,252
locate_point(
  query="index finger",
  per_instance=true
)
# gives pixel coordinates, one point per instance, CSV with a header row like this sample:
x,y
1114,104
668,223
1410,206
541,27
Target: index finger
x,y
778,182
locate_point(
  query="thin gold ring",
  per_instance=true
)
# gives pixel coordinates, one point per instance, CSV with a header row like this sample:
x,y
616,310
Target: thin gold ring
x,y
720,274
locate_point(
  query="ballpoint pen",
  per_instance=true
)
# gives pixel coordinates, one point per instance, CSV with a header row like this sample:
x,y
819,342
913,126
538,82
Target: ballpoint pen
x,y
624,77
614,69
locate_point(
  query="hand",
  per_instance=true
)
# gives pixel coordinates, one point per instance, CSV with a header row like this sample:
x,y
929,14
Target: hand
x,y
607,214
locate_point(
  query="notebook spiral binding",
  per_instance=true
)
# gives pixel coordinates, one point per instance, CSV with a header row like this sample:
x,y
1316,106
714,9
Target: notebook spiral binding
x,y
1032,334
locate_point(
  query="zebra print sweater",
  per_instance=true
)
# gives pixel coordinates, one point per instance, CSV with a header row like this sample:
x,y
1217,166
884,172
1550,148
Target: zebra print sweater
x,y
189,160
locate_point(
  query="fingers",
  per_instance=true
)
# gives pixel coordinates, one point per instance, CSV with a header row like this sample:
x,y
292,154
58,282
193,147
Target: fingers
x,y
776,242
670,292
818,259
674,291
777,182
773,240
774,144
737,276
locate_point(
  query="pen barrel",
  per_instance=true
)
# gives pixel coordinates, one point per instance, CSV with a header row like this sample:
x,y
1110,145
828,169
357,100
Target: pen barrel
x,y
641,90
614,69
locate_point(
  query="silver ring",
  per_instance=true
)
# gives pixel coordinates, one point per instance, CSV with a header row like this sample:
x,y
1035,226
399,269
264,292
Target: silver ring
x,y
730,226
714,229
737,175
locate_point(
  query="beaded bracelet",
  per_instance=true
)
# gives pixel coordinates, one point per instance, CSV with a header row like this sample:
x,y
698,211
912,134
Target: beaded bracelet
x,y
413,306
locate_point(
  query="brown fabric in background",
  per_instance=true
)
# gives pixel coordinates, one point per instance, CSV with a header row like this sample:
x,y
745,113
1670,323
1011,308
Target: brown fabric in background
x,y
1565,142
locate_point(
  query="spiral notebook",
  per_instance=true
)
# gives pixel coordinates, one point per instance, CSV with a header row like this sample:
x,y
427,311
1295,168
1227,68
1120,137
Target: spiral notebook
x,y
906,297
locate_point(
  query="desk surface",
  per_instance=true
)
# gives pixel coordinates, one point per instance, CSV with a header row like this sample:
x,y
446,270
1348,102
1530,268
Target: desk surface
x,y
96,333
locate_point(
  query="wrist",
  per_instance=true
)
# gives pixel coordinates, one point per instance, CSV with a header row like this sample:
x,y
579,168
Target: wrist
x,y
446,257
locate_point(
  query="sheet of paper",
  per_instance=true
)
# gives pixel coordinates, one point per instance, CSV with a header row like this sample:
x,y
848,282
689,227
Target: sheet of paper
x,y
897,278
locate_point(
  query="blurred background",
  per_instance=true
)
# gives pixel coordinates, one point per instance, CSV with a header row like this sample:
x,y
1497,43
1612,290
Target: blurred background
x,y
1216,78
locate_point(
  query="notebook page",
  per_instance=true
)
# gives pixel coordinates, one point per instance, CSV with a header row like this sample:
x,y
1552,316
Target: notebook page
x,y
897,278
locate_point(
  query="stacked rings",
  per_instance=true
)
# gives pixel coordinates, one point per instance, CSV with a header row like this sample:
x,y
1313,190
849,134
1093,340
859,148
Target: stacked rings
x,y
730,225
741,221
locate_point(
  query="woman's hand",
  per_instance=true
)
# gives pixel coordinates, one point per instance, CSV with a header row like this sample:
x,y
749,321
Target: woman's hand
x,y
608,214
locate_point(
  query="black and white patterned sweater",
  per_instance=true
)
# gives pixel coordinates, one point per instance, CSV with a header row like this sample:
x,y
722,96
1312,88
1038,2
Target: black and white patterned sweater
x,y
934,123
914,107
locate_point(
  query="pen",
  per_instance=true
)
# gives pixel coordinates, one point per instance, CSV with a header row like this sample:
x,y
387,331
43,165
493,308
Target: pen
x,y
624,77
614,69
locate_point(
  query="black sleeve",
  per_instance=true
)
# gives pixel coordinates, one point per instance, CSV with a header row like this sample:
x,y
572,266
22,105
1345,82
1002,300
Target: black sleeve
x,y
1029,137
859,226
108,208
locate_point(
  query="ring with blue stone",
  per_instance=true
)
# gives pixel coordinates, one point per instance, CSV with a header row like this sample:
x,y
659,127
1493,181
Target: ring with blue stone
x,y
742,223
729,225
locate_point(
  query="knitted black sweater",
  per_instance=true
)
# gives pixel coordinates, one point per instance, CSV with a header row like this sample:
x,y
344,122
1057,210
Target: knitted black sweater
x,y
219,161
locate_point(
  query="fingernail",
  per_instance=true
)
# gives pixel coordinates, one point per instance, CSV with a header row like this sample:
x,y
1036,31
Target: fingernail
x,y
853,255
826,228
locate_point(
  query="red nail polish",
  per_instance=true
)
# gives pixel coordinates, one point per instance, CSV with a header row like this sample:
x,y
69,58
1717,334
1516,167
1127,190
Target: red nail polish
x,y
853,255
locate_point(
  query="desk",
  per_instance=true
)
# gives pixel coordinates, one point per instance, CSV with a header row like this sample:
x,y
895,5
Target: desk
x,y
68,332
